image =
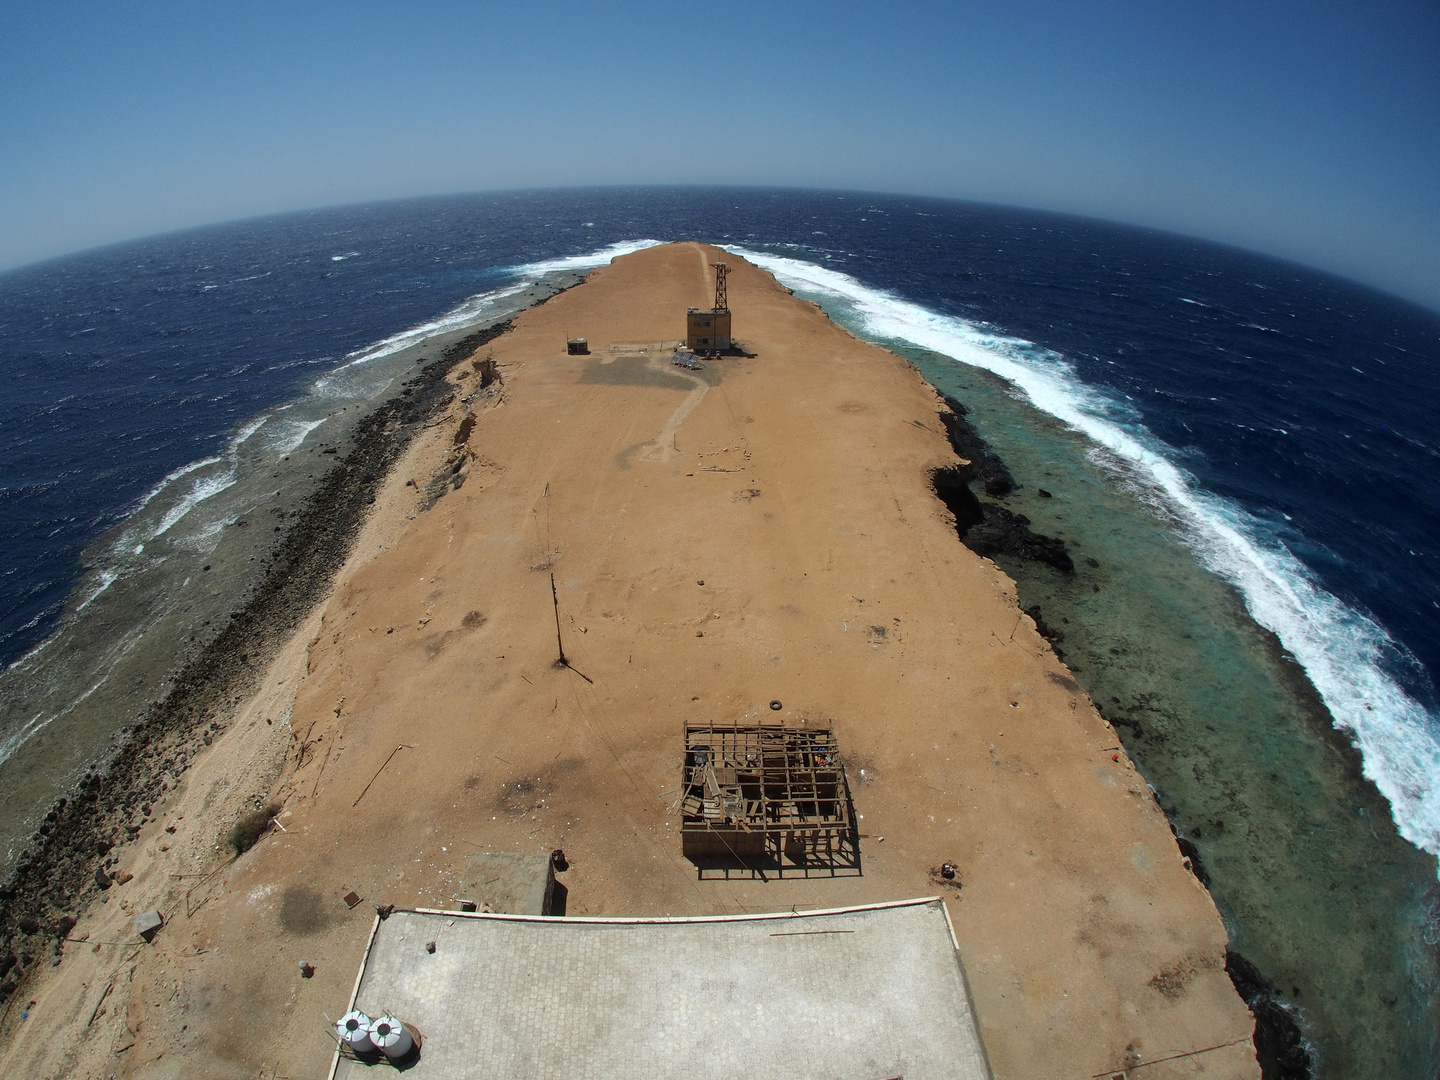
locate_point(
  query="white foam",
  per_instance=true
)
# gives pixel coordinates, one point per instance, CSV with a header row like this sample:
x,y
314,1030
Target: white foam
x,y
30,727
103,580
245,431
239,438
170,478
472,309
287,435
207,538
574,264
1342,650
41,720
282,436
476,308
290,434
207,487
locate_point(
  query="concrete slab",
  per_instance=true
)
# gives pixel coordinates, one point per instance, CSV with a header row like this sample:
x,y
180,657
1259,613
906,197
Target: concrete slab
x,y
510,884
864,993
148,923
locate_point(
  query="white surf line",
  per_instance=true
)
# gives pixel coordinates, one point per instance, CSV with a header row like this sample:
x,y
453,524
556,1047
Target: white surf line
x,y
206,487
476,308
289,434
102,581
1341,650
40,721
472,310
576,264
294,432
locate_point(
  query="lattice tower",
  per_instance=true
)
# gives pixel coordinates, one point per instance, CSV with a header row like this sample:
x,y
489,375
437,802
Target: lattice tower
x,y
722,302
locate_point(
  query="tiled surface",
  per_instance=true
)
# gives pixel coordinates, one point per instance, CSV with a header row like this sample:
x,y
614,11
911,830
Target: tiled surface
x,y
857,995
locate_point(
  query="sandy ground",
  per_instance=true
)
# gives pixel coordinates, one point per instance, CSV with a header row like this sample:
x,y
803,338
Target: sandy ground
x,y
762,531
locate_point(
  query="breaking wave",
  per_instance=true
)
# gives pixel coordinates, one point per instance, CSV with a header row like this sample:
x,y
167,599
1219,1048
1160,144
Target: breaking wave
x,y
1344,652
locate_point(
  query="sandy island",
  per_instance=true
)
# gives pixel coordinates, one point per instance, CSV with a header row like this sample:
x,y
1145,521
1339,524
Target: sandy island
x,y
761,530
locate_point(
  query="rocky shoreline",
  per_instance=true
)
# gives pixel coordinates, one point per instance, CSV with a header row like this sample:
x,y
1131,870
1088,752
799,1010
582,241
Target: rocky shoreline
x,y
990,529
68,862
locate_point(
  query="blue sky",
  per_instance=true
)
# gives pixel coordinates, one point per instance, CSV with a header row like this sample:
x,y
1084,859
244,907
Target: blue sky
x,y
1309,131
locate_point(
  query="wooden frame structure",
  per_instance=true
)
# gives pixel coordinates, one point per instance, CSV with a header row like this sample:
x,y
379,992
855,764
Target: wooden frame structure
x,y
766,797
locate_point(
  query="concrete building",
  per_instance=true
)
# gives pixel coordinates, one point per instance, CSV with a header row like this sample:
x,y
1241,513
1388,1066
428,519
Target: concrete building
x,y
707,331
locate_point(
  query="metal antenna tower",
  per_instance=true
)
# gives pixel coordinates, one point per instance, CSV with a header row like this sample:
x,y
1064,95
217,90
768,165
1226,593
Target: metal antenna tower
x,y
722,302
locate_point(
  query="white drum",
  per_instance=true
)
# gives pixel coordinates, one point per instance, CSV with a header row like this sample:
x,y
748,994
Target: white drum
x,y
354,1031
390,1037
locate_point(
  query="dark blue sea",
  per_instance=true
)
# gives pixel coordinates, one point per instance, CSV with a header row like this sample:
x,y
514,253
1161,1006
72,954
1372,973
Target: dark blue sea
x,y
1243,448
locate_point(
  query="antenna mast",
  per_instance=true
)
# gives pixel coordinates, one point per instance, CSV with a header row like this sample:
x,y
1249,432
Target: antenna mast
x,y
722,302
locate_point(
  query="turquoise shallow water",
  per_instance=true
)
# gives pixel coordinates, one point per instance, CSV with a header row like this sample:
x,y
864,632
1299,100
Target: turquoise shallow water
x,y
1315,886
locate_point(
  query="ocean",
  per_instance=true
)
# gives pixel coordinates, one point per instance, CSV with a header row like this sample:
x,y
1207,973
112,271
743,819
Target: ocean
x,y
1236,450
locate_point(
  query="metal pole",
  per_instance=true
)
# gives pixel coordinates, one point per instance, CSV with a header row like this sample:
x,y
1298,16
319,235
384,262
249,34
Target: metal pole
x,y
554,596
